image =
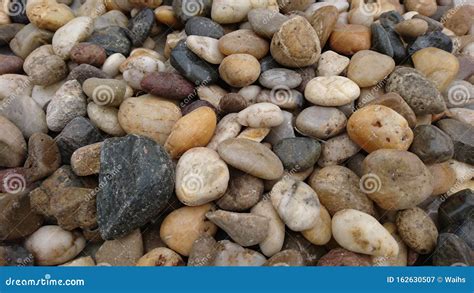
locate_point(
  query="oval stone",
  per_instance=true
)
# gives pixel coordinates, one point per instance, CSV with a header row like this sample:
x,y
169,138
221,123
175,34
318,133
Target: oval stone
x,y
331,91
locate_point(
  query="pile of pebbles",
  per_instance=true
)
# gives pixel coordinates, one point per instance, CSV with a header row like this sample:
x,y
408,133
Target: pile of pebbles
x,y
236,133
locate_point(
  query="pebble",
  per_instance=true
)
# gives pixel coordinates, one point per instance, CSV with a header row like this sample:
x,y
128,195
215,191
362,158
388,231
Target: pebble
x,y
360,232
83,72
434,39
323,21
462,114
445,177
243,41
243,154
77,133
452,250
85,261
332,64
280,77
424,7
395,172
431,144
243,192
206,48
343,257
349,39
321,233
296,43
459,93
14,85
72,33
395,102
458,19
160,257
139,26
284,130
202,26
110,18
85,53
368,68
232,103
49,15
105,92
113,39
261,115
8,32
462,135
25,114
378,127
412,28
311,253
43,156
191,66
227,128
183,226
105,118
149,117
187,10
149,175
456,209
330,91
273,243
296,203
67,103
44,67
282,96
124,251
17,206
167,84
299,153
239,70
51,245
201,177
286,258
227,12
337,150
418,91
192,130
85,161
13,143
266,22
10,64
231,254
28,38
338,188
400,54
382,40
417,230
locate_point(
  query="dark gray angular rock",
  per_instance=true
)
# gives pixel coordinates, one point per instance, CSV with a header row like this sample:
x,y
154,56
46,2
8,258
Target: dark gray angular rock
x,y
298,153
77,133
186,9
137,181
431,144
399,52
140,25
463,231
456,209
452,250
113,39
85,71
203,26
419,92
434,39
462,135
380,40
191,66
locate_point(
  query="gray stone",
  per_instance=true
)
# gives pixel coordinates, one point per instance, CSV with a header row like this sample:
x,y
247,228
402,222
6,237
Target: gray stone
x,y
431,144
299,153
462,135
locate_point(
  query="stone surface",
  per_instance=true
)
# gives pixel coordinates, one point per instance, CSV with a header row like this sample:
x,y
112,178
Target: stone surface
x,y
17,206
452,250
419,92
395,102
139,26
205,47
182,227
187,10
44,67
266,22
85,161
296,203
10,64
330,91
431,144
202,26
323,21
72,33
160,257
13,151
49,15
25,114
299,153
124,251
261,115
359,232
83,72
332,64
273,243
124,205
244,41
244,154
231,254
280,77
337,150
239,70
105,118
320,233
398,179
113,39
368,68
43,156
338,188
243,192
286,258
378,127
15,255
201,177
350,38
203,251
343,257
434,39
456,209
85,53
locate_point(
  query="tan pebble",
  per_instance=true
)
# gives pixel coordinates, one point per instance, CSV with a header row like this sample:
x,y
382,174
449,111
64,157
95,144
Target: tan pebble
x,y
349,39
320,233
85,161
239,70
445,178
417,230
124,251
244,41
160,257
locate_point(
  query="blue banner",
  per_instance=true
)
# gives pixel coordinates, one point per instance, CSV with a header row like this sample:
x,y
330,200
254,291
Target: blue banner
x,y
212,279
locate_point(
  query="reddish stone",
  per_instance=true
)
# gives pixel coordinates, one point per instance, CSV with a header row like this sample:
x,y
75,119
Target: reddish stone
x,y
168,85
10,64
85,53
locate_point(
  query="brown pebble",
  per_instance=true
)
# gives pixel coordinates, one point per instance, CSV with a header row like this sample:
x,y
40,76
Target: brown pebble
x,y
10,64
85,53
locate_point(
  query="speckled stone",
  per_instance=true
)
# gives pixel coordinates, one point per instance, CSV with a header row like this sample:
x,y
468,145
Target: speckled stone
x,y
140,25
431,144
299,153
203,26
113,39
